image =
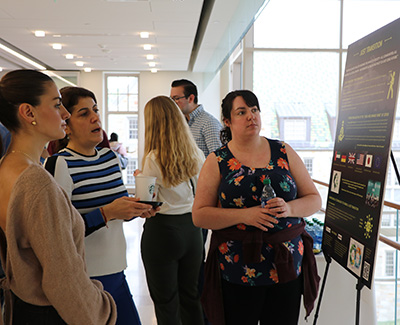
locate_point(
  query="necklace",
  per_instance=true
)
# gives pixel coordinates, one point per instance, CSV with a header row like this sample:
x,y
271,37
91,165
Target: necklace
x,y
25,154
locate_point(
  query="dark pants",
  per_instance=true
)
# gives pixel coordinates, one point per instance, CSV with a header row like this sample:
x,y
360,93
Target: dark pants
x,y
276,304
202,266
117,286
172,251
27,314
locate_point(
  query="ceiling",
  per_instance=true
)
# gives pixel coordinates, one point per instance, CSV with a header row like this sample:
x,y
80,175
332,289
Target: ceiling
x,y
104,34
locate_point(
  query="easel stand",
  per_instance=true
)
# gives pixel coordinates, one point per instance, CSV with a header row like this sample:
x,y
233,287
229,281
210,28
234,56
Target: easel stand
x,y
328,263
359,287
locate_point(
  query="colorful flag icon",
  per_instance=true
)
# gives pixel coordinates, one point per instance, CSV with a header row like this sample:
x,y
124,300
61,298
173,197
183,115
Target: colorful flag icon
x,y
352,158
368,160
378,162
360,159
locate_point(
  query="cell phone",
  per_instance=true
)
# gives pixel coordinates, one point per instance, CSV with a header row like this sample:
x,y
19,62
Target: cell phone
x,y
154,204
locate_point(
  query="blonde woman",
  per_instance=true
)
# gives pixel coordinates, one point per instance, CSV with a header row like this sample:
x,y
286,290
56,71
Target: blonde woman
x,y
171,245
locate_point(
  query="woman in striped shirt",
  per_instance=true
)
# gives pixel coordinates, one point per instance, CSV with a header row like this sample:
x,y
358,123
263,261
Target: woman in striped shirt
x,y
92,178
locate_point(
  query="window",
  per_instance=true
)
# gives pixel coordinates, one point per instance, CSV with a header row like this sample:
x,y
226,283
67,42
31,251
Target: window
x,y
386,220
294,129
122,96
132,166
133,127
308,162
389,265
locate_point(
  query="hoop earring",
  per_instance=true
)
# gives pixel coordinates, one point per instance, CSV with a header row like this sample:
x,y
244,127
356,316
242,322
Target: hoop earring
x,y
33,123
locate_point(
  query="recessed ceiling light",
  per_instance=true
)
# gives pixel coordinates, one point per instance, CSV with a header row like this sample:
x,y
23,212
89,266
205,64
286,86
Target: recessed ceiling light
x,y
147,47
87,69
57,46
79,63
40,33
154,70
152,64
57,35
144,34
69,56
150,57
1,69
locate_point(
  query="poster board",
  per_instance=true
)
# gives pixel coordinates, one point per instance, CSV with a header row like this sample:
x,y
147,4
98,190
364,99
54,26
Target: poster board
x,y
361,153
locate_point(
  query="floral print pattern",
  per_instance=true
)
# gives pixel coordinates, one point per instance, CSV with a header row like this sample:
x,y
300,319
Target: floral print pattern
x,y
241,188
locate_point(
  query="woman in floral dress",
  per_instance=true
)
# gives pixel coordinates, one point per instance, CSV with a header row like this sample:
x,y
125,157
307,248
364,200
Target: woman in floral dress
x,y
261,258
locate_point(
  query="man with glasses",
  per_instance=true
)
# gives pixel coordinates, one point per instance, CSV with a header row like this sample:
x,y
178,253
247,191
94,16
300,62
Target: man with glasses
x,y
205,129
204,126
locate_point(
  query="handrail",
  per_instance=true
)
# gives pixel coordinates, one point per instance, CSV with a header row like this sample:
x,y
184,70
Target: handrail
x,y
389,242
392,243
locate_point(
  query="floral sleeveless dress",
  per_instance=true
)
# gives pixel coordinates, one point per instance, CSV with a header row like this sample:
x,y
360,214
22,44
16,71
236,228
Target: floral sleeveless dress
x,y
241,188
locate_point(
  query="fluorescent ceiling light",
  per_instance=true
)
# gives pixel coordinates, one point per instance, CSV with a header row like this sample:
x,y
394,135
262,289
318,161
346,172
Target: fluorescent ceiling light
x,y
147,47
79,63
87,69
144,34
150,57
53,74
154,70
57,46
40,33
152,64
69,56
22,57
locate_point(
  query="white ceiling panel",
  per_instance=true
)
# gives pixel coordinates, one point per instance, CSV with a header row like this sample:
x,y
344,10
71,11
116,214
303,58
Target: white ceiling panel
x,y
104,34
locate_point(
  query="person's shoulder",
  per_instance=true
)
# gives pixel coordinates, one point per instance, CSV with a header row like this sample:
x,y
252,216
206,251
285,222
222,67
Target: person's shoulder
x,y
276,142
209,118
34,176
221,149
103,150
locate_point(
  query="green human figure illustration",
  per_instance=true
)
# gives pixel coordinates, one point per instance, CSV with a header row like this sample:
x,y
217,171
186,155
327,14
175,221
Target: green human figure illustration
x,y
391,83
341,134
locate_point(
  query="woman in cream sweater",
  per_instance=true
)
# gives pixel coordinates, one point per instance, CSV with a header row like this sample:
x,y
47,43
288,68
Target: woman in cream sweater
x,y
41,236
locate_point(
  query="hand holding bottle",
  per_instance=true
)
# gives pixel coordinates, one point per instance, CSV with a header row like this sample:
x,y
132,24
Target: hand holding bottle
x,y
277,207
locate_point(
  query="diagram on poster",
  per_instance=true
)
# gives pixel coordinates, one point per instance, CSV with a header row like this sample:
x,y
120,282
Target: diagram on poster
x,y
355,253
336,181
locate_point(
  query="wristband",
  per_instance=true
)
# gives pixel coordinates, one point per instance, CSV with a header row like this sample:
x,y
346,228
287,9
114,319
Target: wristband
x,y
104,216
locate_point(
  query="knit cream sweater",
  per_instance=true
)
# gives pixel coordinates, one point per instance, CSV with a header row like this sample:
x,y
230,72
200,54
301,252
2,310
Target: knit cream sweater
x,y
45,262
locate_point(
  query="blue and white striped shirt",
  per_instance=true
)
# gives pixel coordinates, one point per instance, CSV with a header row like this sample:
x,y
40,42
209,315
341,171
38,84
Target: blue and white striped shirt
x,y
92,182
205,129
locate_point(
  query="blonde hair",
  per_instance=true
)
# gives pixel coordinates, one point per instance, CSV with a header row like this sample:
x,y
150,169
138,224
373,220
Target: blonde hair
x,y
167,134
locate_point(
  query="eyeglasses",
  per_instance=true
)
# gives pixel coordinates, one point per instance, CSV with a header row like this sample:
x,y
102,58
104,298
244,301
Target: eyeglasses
x,y
175,99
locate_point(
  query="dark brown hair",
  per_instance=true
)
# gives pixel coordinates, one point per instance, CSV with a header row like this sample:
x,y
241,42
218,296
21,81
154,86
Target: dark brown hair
x,y
17,87
251,100
189,88
70,97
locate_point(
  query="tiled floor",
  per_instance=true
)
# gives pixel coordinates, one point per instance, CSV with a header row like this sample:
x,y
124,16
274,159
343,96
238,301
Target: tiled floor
x,y
135,272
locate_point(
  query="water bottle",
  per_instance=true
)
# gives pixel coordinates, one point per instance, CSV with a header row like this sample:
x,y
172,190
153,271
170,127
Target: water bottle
x,y
268,192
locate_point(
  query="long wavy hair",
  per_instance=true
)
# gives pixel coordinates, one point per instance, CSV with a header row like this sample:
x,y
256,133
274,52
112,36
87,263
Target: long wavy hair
x,y
167,134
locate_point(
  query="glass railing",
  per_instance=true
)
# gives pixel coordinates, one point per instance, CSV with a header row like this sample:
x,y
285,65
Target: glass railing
x,y
386,275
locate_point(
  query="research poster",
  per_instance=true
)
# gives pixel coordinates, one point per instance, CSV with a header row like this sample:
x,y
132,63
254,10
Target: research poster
x,y
362,151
